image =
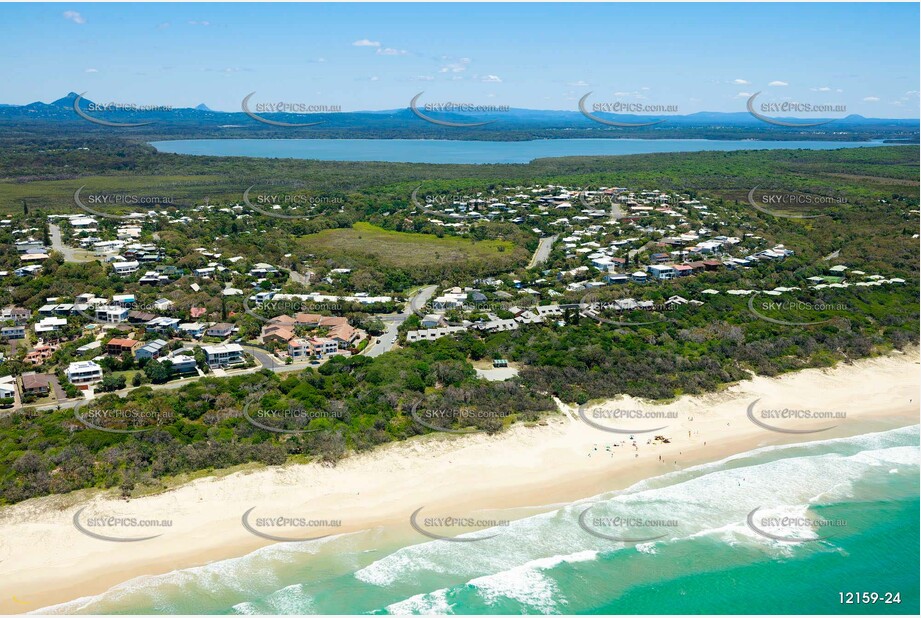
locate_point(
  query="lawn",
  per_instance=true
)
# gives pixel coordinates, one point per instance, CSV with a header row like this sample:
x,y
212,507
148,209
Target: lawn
x,y
407,250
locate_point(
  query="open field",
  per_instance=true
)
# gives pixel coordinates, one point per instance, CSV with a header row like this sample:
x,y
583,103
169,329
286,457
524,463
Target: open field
x,y
404,250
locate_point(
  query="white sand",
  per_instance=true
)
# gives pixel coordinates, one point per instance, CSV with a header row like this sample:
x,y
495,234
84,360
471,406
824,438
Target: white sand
x,y
44,560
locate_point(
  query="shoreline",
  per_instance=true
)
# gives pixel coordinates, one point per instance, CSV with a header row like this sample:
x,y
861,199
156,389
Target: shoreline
x,y
561,459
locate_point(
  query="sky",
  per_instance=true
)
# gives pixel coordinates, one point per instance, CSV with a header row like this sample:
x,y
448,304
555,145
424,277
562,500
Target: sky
x,y
703,57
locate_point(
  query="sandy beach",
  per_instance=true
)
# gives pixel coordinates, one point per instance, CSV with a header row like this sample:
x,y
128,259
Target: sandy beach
x,y
45,559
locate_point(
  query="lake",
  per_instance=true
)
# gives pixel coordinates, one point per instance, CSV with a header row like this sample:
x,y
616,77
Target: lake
x,y
466,151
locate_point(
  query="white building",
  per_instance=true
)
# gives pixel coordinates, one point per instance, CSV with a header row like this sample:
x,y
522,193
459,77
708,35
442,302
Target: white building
x,y
84,372
223,355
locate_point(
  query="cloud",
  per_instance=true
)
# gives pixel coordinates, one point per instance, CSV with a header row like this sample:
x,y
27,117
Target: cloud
x,y
743,95
579,83
198,23
389,51
366,43
871,99
74,16
374,78
741,82
778,83
821,89
163,26
491,79
91,71
457,66
422,78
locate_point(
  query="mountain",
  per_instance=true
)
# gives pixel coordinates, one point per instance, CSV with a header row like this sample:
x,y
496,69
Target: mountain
x,y
203,108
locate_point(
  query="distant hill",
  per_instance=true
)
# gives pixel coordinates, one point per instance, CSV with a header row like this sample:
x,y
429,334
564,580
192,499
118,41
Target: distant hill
x,y
514,124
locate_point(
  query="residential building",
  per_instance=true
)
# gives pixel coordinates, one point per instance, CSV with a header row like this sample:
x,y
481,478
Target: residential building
x,y
35,383
223,355
111,314
119,346
182,363
82,373
13,332
152,349
220,330
126,268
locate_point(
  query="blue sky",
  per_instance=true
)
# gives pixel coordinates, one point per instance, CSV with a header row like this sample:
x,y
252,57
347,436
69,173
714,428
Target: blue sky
x,y
706,57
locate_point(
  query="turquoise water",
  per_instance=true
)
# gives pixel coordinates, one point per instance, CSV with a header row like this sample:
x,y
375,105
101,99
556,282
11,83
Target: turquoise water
x,y
461,151
708,561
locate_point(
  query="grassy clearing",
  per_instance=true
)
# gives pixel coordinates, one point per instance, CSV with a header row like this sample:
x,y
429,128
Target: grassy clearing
x,y
406,250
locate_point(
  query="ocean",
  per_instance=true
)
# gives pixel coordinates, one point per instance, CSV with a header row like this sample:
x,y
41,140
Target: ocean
x,y
468,151
777,530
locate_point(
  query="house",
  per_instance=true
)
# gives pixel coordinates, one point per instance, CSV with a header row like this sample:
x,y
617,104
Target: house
x,y
28,271
223,355
431,334
82,373
662,271
140,317
17,314
320,347
8,387
111,314
280,334
123,300
39,355
13,332
162,304
193,329
182,363
162,324
119,346
50,325
220,330
126,268
684,270
35,383
344,334
433,320
151,350
639,277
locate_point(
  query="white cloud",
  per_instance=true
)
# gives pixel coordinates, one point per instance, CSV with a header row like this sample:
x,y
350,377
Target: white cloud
x,y
423,78
91,71
366,43
579,83
871,99
821,89
740,82
198,23
778,83
389,51
492,79
163,26
744,95
74,16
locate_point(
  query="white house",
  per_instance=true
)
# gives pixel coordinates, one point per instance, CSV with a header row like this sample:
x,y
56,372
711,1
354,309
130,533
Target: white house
x,y
84,372
223,355
126,268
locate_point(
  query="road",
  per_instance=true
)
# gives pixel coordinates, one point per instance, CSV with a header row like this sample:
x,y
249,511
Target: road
x,y
416,303
543,250
70,253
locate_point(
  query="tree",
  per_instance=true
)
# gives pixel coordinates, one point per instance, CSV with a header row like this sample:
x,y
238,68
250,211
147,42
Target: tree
x,y
158,372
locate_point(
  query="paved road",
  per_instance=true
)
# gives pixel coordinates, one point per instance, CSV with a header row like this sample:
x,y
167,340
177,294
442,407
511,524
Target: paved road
x,y
70,253
387,340
543,250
